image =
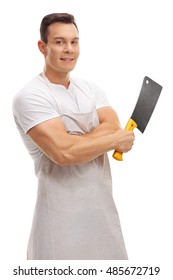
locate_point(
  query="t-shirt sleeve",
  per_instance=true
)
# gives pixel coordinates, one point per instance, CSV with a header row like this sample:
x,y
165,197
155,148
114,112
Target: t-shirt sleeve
x,y
30,109
100,97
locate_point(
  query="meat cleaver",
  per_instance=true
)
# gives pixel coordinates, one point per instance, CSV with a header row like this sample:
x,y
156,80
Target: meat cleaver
x,y
144,108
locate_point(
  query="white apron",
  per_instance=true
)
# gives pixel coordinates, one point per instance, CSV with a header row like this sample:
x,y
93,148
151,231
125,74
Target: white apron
x,y
75,216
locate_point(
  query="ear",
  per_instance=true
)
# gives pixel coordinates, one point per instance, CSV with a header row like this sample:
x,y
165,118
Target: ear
x,y
42,47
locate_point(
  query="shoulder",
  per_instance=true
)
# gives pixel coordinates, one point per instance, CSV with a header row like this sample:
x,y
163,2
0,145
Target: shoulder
x,y
35,85
34,90
33,104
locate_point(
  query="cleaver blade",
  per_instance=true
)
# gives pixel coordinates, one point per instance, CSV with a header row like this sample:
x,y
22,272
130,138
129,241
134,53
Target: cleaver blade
x,y
144,108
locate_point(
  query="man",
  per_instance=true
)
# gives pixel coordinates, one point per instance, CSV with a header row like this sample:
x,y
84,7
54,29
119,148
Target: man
x,y
68,127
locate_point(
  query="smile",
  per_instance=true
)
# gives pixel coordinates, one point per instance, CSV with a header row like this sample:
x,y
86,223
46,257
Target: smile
x,y
66,59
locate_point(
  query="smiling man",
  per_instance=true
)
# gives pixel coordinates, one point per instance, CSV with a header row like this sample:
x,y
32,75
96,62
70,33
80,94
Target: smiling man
x,y
68,127
61,50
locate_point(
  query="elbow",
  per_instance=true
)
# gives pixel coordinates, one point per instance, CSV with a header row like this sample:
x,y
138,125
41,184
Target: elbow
x,y
63,159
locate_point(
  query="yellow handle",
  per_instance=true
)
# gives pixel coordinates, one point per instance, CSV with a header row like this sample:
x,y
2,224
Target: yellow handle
x,y
131,124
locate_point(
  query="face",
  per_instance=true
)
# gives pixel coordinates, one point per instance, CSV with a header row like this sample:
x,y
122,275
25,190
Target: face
x,y
62,49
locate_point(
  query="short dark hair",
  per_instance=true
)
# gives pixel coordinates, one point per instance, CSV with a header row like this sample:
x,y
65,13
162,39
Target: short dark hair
x,y
52,18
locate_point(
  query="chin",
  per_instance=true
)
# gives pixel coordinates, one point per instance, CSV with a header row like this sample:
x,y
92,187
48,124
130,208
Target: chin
x,y
69,69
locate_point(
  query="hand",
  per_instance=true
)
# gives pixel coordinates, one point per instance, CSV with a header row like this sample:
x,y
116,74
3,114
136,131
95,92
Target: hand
x,y
124,140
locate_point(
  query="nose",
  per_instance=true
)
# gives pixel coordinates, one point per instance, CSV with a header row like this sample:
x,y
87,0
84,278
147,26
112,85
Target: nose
x,y
68,48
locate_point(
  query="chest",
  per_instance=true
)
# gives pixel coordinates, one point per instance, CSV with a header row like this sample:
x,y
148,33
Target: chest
x,y
77,109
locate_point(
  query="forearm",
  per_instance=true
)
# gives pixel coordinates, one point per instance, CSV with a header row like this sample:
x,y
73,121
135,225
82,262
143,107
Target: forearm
x,y
102,130
78,150
92,144
109,123
84,149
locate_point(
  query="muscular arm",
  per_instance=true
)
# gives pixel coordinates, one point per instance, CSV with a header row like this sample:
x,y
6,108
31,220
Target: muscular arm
x,y
108,120
62,148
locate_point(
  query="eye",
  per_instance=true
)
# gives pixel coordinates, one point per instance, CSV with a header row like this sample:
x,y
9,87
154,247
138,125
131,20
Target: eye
x,y
59,42
75,42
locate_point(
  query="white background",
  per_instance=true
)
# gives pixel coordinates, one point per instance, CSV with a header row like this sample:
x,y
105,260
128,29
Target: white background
x,y
121,42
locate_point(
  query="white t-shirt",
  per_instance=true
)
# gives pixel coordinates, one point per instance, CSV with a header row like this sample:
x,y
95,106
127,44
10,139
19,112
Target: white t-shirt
x,y
36,103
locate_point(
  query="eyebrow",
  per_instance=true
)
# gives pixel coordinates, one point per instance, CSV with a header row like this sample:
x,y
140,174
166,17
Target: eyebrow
x,y
62,38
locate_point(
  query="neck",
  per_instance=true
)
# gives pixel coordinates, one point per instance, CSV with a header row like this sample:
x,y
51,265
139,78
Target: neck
x,y
58,78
